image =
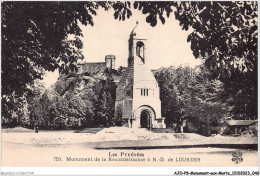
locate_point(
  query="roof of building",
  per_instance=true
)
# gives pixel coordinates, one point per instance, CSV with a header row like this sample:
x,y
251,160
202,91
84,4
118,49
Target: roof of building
x,y
92,63
93,67
241,122
138,72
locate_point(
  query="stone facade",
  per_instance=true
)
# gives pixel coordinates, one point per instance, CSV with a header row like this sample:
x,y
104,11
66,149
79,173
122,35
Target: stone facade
x,y
137,96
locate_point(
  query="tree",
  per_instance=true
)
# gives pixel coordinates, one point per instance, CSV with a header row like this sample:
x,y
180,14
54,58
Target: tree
x,y
104,104
241,90
206,105
175,92
166,78
225,36
189,94
37,106
105,112
39,37
76,107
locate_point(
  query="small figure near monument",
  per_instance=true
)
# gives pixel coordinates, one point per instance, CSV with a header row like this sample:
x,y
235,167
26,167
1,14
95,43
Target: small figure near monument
x,y
131,122
36,129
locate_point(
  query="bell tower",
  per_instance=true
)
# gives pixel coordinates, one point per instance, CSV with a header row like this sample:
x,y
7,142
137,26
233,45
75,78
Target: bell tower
x,y
138,102
136,47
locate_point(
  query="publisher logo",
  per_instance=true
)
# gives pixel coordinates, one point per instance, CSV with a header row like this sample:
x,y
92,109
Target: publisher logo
x,y
237,157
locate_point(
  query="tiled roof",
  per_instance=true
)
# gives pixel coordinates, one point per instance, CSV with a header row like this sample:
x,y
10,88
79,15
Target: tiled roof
x,y
92,63
139,72
241,122
93,67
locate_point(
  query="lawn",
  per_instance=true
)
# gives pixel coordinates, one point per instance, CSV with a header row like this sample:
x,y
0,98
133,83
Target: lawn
x,y
26,130
161,137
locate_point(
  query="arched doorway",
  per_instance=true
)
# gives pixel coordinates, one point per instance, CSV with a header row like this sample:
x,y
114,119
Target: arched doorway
x,y
145,119
144,116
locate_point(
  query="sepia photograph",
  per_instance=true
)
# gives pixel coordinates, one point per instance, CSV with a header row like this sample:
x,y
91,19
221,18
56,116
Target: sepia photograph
x,y
129,83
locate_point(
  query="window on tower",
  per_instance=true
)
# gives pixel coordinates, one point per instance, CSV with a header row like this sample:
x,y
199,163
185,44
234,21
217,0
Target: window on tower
x,y
140,50
144,92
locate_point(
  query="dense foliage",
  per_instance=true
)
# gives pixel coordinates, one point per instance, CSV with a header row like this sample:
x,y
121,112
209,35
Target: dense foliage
x,y
44,36
188,94
74,101
224,35
39,36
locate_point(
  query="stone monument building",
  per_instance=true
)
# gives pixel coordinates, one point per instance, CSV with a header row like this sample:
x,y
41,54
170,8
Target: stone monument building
x,y
138,102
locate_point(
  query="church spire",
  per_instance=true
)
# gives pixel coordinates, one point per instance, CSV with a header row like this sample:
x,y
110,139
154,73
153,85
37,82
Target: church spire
x,y
136,44
133,31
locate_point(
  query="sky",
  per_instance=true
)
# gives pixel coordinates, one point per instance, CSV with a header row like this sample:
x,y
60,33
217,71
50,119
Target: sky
x,y
166,44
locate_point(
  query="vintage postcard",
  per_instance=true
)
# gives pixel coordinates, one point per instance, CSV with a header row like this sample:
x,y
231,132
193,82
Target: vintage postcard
x,y
129,83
